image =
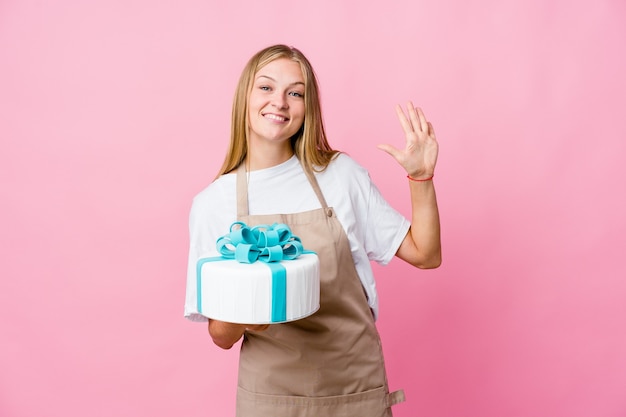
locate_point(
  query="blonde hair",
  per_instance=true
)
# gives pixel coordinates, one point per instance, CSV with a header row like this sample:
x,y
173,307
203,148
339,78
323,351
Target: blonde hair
x,y
309,143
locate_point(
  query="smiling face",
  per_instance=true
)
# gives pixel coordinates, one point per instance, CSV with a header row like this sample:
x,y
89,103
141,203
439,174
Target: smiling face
x,y
276,103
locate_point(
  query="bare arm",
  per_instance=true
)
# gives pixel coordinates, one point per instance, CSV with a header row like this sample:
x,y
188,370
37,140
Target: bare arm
x,y
422,245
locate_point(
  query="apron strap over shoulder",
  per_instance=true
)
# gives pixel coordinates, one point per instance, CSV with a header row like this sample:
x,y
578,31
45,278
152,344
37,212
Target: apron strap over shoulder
x,y
242,191
315,185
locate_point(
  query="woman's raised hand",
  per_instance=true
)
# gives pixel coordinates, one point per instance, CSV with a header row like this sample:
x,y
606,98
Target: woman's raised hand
x,y
419,155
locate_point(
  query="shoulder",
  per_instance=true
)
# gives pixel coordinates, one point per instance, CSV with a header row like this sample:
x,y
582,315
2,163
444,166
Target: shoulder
x,y
213,202
345,169
345,181
344,162
214,192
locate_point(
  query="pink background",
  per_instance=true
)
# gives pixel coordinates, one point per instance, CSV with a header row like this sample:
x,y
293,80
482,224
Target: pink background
x,y
114,114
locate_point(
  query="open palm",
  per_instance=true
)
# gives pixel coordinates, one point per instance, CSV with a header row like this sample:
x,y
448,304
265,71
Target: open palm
x,y
419,155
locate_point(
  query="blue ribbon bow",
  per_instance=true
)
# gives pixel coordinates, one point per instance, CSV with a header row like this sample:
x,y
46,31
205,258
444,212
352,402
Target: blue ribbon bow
x,y
264,243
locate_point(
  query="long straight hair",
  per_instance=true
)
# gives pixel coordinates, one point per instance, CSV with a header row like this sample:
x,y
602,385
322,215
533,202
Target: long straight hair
x,y
309,143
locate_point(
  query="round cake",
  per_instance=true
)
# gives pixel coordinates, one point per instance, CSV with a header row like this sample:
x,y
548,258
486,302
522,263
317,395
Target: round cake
x,y
258,292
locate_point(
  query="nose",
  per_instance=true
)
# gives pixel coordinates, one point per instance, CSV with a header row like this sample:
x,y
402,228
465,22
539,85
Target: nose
x,y
280,101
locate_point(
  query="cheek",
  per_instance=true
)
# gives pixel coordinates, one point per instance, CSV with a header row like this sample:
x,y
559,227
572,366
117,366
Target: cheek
x,y
301,111
256,99
253,107
251,103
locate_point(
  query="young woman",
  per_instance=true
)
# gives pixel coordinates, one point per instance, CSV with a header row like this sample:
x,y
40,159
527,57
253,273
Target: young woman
x,y
280,168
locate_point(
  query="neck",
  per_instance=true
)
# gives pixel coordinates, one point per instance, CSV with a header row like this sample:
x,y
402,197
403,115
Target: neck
x,y
267,157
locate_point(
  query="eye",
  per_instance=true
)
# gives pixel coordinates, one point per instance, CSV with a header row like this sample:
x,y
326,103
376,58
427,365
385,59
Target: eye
x,y
264,88
296,94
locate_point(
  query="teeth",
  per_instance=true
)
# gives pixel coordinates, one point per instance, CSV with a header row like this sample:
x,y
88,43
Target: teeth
x,y
275,117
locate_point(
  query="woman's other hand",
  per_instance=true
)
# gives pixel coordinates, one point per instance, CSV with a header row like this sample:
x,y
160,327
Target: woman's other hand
x,y
419,155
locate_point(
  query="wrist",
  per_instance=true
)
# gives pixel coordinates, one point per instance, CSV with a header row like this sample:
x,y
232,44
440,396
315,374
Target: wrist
x,y
422,178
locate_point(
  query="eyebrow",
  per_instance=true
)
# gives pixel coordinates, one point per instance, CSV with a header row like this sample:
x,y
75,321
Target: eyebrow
x,y
270,78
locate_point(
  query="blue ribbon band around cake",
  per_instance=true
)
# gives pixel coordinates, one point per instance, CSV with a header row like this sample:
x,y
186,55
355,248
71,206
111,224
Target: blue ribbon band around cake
x,y
268,244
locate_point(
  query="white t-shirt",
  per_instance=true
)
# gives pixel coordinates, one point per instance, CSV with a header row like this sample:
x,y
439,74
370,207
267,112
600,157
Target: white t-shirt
x,y
375,230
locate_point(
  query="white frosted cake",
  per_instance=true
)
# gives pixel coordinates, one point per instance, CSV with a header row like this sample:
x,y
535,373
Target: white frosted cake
x,y
264,275
258,292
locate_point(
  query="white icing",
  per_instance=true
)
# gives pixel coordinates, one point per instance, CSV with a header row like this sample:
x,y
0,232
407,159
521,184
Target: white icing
x,y
242,293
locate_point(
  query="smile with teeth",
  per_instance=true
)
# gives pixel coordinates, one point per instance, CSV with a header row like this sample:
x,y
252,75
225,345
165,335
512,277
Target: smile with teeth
x,y
275,117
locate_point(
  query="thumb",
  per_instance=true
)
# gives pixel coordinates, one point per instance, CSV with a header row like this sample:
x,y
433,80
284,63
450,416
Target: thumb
x,y
390,150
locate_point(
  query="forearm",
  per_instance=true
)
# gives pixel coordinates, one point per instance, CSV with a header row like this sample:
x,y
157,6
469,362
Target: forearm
x,y
425,231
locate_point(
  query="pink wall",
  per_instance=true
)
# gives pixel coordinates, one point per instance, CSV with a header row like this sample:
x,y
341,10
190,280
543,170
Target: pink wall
x,y
113,114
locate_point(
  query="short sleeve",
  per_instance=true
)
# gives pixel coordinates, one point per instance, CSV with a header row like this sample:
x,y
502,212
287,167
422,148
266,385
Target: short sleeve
x,y
386,227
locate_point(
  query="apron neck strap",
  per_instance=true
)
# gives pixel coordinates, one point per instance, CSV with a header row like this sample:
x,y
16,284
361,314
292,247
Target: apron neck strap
x,y
242,189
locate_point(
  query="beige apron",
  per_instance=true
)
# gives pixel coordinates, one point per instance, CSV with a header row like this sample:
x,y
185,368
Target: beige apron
x,y
328,364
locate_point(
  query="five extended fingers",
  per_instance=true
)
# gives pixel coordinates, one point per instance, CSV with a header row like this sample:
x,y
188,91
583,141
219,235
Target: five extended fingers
x,y
420,139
